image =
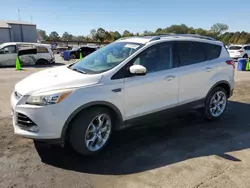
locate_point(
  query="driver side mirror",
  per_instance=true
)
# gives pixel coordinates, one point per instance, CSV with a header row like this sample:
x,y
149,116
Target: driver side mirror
x,y
138,70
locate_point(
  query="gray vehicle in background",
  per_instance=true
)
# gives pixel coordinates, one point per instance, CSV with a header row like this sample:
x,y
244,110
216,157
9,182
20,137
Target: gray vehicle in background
x,y
8,54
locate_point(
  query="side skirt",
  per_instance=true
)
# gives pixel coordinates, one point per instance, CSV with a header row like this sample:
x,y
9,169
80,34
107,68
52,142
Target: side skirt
x,y
163,114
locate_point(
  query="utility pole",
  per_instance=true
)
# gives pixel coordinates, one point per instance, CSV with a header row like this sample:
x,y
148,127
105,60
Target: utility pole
x,y
19,15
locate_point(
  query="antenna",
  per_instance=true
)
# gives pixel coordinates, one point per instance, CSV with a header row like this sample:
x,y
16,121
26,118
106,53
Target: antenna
x,y
31,19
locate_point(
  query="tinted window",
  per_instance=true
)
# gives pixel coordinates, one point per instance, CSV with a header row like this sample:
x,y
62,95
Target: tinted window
x,y
191,52
156,58
247,47
212,51
42,50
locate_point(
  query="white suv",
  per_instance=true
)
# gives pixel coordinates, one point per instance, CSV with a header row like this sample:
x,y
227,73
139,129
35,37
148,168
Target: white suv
x,y
128,82
237,51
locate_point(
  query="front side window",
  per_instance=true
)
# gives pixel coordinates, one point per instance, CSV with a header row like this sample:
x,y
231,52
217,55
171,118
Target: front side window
x,y
191,52
8,50
156,58
106,58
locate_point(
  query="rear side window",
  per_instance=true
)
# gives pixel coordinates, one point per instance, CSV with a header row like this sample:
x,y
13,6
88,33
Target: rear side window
x,y
212,51
42,50
191,52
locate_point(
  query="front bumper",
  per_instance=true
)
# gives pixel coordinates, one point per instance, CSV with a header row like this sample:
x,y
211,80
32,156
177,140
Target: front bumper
x,y
47,123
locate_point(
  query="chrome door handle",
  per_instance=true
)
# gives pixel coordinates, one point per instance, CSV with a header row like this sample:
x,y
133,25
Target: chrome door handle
x,y
208,69
170,77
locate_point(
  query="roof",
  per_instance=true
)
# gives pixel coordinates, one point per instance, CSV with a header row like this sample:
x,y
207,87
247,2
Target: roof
x,y
146,39
7,23
4,24
23,43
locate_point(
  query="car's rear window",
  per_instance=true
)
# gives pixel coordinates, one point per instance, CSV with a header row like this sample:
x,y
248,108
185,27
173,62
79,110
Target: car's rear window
x,y
234,47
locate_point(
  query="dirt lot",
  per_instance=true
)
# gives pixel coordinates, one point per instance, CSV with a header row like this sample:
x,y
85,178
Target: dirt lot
x,y
187,152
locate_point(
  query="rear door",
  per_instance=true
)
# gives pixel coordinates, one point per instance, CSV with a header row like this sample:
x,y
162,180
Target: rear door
x,y
195,71
43,53
8,55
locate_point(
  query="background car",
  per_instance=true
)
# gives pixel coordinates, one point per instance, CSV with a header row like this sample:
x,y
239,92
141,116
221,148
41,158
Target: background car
x,y
8,54
238,51
86,50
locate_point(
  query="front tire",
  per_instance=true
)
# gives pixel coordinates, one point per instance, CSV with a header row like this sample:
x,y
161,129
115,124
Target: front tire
x,y
91,130
215,103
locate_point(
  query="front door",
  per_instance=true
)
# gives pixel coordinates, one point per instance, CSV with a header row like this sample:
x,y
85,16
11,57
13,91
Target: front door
x,y
158,89
8,55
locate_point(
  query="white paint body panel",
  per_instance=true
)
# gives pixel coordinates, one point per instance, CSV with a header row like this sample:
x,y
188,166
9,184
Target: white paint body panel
x,y
139,95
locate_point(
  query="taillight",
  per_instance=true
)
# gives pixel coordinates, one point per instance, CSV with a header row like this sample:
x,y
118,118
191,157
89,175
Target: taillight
x,y
241,51
230,62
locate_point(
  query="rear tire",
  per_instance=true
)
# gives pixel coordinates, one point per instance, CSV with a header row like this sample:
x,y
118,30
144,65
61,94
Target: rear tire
x,y
90,130
215,103
42,62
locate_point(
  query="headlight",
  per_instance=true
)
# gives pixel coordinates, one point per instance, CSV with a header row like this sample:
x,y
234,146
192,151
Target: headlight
x,y
52,97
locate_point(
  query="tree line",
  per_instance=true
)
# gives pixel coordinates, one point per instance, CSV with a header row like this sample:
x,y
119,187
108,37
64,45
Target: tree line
x,y
218,31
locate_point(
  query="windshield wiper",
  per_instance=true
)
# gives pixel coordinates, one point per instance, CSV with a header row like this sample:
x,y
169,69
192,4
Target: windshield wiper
x,y
77,70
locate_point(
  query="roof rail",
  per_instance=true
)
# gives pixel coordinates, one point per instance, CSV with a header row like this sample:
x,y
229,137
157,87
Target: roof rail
x,y
127,38
181,35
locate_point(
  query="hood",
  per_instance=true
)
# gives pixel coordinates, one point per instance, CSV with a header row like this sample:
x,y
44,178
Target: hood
x,y
55,78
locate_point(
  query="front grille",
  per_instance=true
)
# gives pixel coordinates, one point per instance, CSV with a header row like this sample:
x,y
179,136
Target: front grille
x,y
24,121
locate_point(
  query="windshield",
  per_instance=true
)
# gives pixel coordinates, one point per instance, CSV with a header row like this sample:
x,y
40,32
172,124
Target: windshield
x,y
234,47
106,58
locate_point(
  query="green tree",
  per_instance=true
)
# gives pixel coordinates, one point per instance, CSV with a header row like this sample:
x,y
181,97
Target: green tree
x,y
100,33
54,36
117,35
41,34
219,28
200,31
159,31
147,33
191,30
93,35
126,33
67,37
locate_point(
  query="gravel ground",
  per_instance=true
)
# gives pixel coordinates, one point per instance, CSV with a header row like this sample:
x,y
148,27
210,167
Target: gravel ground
x,y
184,153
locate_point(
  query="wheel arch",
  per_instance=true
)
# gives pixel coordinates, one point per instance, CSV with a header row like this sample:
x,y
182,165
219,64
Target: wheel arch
x,y
41,58
224,84
108,105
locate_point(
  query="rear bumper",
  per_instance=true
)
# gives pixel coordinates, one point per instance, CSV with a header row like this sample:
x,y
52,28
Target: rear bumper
x,y
231,93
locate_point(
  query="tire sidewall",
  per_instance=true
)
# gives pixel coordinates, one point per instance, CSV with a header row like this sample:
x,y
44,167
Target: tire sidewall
x,y
208,114
41,62
79,127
